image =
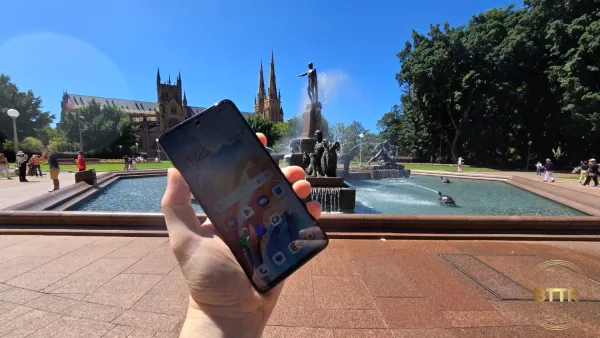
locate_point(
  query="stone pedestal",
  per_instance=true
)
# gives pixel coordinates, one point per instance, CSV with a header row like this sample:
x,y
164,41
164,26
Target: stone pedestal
x,y
87,176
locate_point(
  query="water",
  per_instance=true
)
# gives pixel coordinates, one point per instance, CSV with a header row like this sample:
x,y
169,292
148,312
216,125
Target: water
x,y
415,195
329,197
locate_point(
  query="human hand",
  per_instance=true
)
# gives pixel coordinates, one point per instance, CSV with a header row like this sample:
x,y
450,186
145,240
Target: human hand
x,y
222,302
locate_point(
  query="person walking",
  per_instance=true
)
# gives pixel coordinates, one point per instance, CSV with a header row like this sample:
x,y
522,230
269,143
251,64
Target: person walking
x,y
592,173
549,168
54,169
584,172
80,162
538,168
21,164
4,167
460,164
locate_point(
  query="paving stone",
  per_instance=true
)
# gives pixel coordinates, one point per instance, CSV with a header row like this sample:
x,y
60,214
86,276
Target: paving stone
x,y
91,277
410,313
148,320
369,250
120,331
8,240
4,287
142,333
97,312
5,307
124,290
36,280
26,320
70,327
170,296
296,332
423,333
59,248
341,292
19,265
75,260
19,296
138,248
476,318
33,326
362,333
159,262
12,313
51,303
333,261
300,283
385,279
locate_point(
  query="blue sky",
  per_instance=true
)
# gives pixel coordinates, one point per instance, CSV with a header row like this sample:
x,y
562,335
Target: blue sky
x,y
114,49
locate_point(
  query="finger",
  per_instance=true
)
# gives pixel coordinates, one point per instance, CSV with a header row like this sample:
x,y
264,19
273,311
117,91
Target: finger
x,y
314,208
302,188
262,138
180,217
293,173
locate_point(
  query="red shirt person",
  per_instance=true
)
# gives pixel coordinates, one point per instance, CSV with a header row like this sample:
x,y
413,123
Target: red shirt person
x,y
80,162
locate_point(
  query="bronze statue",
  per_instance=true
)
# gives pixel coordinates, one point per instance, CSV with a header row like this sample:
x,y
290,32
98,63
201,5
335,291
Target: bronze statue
x,y
313,88
386,158
329,159
315,169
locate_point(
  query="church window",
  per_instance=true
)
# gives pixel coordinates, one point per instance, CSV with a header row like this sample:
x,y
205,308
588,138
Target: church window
x,y
173,110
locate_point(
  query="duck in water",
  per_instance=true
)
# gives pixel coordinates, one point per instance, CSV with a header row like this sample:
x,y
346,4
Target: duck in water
x,y
444,179
445,199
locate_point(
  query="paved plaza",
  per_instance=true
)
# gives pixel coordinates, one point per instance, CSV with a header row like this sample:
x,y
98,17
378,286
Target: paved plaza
x,y
55,286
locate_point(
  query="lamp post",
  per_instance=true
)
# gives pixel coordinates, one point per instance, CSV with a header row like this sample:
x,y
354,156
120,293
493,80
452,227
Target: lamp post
x,y
120,150
13,113
528,154
136,147
79,117
360,149
157,150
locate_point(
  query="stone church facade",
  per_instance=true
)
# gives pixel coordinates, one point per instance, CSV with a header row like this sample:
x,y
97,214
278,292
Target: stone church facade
x,y
172,107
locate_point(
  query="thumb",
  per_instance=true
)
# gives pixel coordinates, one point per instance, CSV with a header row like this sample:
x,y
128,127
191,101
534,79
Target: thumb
x,y
181,219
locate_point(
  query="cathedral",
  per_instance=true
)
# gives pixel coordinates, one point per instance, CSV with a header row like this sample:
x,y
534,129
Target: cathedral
x,y
171,107
268,104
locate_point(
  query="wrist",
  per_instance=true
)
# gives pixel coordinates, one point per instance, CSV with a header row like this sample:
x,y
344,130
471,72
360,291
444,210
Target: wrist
x,y
223,322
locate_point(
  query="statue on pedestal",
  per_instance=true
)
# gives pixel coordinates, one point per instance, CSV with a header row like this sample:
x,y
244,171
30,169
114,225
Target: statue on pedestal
x,y
314,168
322,162
385,157
313,87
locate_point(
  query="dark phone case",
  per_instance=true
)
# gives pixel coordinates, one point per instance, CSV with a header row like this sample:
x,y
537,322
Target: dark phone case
x,y
216,107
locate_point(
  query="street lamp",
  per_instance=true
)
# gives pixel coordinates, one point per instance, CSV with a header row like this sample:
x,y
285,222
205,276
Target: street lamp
x,y
13,113
528,153
157,150
360,156
79,117
120,149
136,147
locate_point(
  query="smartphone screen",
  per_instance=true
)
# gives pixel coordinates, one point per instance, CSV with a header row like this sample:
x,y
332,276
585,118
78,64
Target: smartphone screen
x,y
244,193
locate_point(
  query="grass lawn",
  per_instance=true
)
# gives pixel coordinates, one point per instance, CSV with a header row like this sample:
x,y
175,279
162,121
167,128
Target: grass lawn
x,y
113,167
438,167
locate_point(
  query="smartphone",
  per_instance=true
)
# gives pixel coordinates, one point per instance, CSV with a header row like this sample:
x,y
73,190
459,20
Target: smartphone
x,y
244,193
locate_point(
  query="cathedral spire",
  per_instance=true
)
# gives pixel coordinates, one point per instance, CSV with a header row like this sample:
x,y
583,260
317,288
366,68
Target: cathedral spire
x,y
184,99
272,82
261,84
158,76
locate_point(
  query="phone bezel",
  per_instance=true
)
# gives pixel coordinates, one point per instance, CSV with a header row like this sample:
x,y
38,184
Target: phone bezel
x,y
228,104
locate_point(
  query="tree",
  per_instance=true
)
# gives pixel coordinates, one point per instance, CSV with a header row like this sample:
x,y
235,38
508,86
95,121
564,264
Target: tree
x,y
31,118
31,144
265,125
102,128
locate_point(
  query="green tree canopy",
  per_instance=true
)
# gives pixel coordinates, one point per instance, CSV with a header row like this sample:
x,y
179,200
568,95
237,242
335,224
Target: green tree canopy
x,y
103,128
509,76
31,117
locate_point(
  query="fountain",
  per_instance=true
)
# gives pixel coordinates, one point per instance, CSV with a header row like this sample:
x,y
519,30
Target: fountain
x,y
318,157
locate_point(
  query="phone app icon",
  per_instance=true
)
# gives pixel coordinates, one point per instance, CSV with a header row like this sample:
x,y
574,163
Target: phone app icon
x,y
232,222
263,201
260,230
278,191
279,258
243,241
248,212
294,248
275,219
262,271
